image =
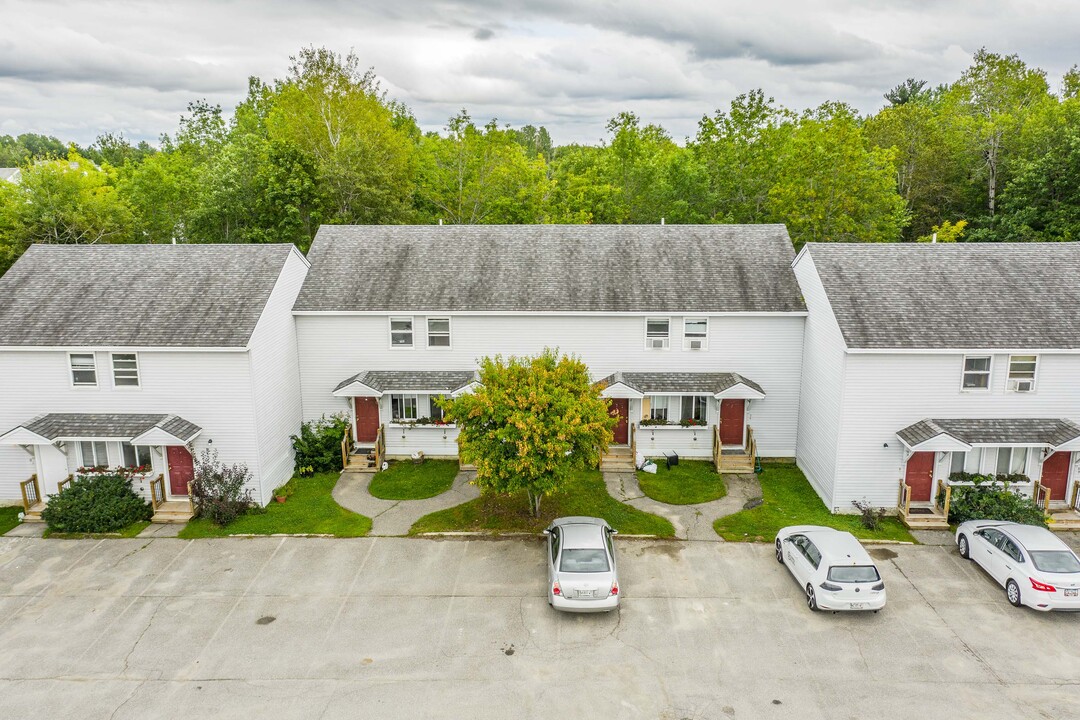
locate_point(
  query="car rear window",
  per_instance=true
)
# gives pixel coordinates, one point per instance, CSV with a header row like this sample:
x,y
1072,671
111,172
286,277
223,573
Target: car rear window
x,y
854,574
584,561
1055,561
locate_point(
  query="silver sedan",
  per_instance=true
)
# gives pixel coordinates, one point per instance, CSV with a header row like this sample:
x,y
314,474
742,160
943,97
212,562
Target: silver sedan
x,y
582,575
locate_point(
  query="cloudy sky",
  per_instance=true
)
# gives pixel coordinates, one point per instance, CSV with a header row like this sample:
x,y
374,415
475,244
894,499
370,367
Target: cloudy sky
x,y
78,69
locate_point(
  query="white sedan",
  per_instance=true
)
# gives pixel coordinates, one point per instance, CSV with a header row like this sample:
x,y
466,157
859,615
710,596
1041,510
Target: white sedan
x,y
833,568
1034,566
582,575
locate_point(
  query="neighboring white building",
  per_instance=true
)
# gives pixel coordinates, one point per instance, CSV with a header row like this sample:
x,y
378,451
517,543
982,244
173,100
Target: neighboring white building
x,y
922,359
11,175
700,324
140,355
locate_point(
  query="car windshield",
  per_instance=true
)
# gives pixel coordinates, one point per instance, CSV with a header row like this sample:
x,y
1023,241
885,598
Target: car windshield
x,y
854,574
1055,561
584,561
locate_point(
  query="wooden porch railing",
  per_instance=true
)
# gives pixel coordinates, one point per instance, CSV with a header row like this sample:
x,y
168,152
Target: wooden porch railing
x,y
66,482
380,447
749,450
191,500
157,491
751,443
633,442
716,447
345,446
1041,495
1075,495
31,492
943,497
903,502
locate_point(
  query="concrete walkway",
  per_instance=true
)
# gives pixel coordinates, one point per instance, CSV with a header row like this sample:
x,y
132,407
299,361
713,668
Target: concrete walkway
x,y
692,522
395,517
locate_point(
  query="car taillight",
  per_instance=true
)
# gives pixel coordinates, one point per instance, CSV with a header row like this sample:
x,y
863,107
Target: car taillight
x,y
829,586
1035,584
555,589
614,588
879,586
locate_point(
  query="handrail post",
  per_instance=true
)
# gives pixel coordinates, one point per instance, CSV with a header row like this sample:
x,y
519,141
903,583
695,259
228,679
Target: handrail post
x,y
948,499
25,500
191,500
907,499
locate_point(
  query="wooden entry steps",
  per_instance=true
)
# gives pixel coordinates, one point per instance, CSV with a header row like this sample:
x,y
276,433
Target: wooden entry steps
x,y
1064,519
736,461
173,511
33,515
619,458
362,459
924,517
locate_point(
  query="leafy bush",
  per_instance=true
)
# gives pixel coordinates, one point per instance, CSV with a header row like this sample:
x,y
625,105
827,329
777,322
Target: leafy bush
x,y
989,498
220,492
869,515
318,446
98,502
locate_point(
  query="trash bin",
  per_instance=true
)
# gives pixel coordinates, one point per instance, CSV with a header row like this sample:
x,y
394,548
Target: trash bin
x,y
672,458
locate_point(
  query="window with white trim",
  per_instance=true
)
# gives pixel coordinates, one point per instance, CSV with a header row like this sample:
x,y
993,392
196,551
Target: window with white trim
x,y
135,455
976,372
1022,373
438,332
657,333
1012,460
403,407
695,333
93,454
968,462
436,414
125,368
401,332
83,369
694,407
658,407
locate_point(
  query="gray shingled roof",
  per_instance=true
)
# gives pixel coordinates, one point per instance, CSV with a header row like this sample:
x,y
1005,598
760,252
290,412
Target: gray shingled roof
x,y
570,268
138,295
679,382
953,296
108,425
447,381
1049,431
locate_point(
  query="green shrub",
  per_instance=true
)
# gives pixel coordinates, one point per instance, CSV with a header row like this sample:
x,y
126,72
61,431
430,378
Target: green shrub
x,y
985,499
220,492
318,446
99,502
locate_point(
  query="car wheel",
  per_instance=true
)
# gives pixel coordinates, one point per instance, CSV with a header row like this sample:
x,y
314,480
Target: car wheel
x,y
1012,592
779,553
811,599
962,544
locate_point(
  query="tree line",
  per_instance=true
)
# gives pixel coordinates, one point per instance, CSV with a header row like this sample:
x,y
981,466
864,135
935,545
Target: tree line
x,y
993,156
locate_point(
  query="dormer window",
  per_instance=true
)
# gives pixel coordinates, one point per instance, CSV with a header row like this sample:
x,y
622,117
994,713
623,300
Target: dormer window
x,y
1022,373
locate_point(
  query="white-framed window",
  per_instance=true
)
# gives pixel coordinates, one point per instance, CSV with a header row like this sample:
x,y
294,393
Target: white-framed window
x,y
83,369
976,372
658,407
436,413
1022,373
657,333
93,454
695,333
401,333
135,455
1012,460
403,407
694,407
968,462
438,332
125,368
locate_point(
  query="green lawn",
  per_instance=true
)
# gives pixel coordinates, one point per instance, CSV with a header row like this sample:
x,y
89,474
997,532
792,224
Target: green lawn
x,y
309,510
688,483
129,532
585,494
9,517
789,500
409,481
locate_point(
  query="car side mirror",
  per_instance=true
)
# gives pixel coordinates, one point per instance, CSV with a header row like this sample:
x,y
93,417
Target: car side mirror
x,y
613,531
547,532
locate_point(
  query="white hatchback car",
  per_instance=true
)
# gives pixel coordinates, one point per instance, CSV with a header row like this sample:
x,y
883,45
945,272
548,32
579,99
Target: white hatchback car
x,y
1034,566
834,569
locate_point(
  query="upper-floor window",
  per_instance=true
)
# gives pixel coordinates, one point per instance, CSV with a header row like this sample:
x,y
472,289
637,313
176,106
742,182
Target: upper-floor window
x,y
976,372
93,454
657,333
125,368
401,332
695,333
135,455
83,369
403,407
438,332
1022,373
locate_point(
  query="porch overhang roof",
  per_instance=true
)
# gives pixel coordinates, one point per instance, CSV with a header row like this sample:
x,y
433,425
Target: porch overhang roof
x,y
724,385
960,435
138,429
376,383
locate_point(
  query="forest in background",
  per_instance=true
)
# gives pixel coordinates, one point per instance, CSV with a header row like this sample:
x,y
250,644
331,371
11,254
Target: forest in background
x,y
993,156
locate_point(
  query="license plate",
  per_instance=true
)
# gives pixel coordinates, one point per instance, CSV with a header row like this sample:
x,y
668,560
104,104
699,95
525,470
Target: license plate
x,y
1072,592
857,606
585,594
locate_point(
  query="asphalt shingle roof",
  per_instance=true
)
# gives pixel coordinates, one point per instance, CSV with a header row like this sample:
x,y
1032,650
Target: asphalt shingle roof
x,y
446,381
1049,431
570,268
679,382
108,425
953,296
138,295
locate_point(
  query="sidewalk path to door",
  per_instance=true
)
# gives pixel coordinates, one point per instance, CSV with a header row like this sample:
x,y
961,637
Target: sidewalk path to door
x,y
395,517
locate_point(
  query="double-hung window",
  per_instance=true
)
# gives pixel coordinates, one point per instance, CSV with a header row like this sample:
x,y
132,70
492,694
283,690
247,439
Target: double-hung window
x,y
438,332
657,333
436,414
966,461
93,454
403,407
135,455
976,372
1011,460
694,407
401,332
125,367
658,407
695,333
83,369
1022,373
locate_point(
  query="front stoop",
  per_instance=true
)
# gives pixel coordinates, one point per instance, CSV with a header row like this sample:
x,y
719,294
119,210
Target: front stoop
x,y
33,515
172,511
1064,519
617,459
932,520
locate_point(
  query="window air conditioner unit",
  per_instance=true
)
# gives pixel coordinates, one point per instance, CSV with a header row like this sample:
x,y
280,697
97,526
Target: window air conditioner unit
x,y
1021,385
657,343
695,344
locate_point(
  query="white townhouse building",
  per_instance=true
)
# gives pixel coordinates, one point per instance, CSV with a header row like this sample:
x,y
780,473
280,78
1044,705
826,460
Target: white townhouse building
x,y
140,356
695,332
925,359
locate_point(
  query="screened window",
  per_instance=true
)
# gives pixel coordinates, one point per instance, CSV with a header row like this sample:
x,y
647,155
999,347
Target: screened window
x,y
402,407
125,369
93,454
657,333
135,455
83,369
693,408
401,332
438,332
977,373
1022,373
658,408
1012,460
695,333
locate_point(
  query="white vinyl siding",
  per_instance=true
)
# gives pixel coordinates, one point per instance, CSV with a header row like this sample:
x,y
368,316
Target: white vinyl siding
x,y
125,369
83,369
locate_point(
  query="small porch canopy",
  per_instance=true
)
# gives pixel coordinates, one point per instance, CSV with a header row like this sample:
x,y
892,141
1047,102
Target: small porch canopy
x,y
137,429
376,383
722,386
961,435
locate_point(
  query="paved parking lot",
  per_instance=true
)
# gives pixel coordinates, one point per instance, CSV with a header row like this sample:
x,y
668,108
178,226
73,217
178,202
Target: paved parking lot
x,y
406,628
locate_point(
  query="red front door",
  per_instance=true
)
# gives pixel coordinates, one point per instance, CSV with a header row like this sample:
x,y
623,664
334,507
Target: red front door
x,y
920,476
1055,474
181,469
731,421
620,410
367,419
